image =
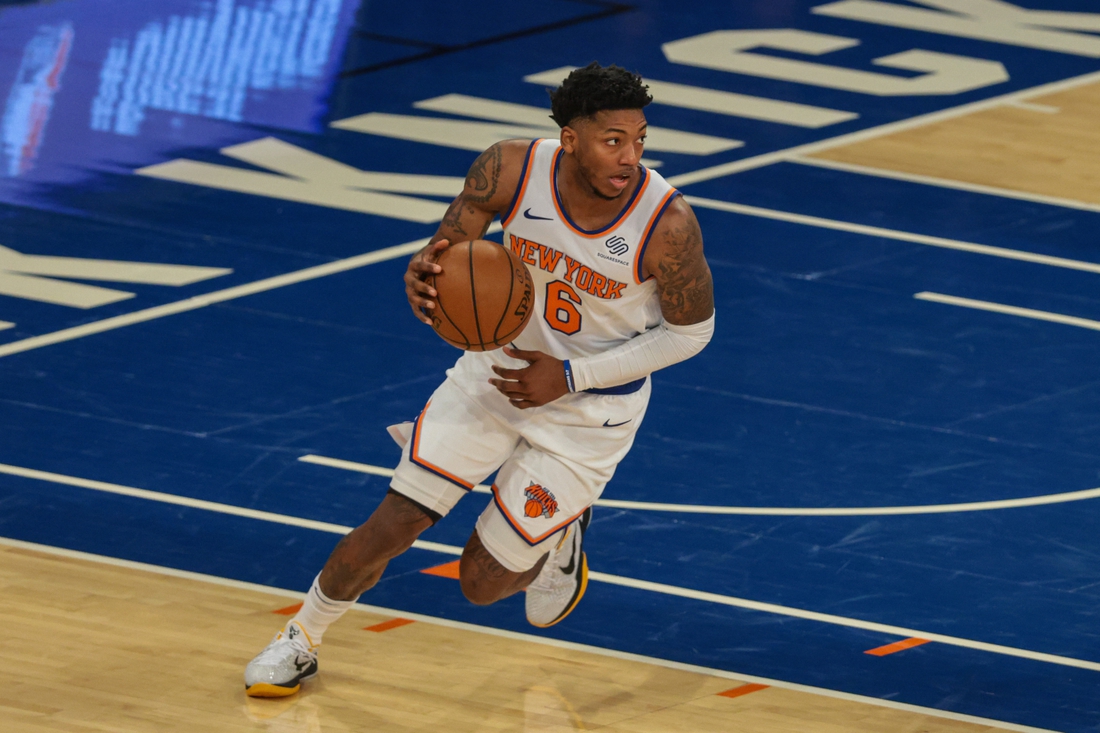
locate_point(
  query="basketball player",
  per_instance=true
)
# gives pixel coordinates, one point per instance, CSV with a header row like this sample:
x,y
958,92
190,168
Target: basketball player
x,y
621,290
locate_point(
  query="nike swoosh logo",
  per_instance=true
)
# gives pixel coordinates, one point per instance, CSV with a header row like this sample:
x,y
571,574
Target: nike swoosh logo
x,y
568,569
528,215
300,665
608,424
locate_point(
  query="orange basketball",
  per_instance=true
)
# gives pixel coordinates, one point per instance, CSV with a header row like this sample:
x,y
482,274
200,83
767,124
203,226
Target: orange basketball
x,y
485,296
532,508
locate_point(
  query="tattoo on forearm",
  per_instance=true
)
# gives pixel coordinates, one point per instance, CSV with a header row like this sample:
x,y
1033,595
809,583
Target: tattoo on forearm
x,y
481,181
453,218
687,291
481,186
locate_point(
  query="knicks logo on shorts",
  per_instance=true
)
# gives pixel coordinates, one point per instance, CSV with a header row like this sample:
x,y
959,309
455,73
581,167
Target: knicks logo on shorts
x,y
540,502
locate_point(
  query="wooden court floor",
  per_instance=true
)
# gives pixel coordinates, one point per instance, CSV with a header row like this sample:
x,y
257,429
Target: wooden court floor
x,y
91,646
1045,145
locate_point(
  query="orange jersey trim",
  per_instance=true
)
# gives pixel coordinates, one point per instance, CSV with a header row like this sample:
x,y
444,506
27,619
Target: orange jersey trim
x,y
414,455
519,529
622,216
657,213
521,189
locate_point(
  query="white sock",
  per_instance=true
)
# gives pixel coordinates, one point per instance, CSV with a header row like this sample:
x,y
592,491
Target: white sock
x,y
319,612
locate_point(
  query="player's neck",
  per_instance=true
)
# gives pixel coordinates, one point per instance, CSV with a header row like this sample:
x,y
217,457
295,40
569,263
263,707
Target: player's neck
x,y
587,207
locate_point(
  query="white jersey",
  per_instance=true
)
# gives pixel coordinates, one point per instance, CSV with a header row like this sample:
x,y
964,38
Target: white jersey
x,y
589,292
553,460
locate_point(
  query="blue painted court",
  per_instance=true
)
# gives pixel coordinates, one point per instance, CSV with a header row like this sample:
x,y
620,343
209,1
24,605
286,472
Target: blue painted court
x,y
235,142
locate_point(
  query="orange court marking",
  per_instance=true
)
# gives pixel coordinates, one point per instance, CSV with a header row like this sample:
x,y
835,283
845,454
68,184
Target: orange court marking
x,y
289,610
393,623
897,646
446,570
743,690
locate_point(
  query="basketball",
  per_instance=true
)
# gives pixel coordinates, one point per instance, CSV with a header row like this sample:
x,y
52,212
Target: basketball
x,y
485,296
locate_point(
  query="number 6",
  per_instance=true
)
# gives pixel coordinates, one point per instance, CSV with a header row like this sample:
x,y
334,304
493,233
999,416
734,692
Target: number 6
x,y
561,308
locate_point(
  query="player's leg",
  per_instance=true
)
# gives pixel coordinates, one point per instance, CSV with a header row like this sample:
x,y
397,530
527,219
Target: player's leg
x,y
453,446
573,452
484,580
354,566
531,536
360,557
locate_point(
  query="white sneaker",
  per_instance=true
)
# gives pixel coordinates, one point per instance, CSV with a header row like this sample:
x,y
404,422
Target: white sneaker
x,y
279,669
561,583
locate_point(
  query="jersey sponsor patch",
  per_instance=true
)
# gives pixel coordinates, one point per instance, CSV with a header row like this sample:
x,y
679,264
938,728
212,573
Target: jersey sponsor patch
x,y
617,246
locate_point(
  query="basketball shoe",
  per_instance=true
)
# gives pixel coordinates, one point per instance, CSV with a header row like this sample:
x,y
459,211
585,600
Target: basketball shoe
x,y
279,669
561,583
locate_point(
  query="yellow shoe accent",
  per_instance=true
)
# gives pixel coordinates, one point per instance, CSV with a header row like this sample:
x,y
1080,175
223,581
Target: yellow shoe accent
x,y
263,689
263,709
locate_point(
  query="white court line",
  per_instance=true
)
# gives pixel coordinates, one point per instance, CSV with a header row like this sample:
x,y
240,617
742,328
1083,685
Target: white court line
x,y
844,226
827,618
1011,310
366,468
543,640
600,577
778,156
219,296
947,183
210,506
871,511
1032,107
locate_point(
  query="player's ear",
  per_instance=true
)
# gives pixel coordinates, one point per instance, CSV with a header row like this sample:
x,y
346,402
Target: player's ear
x,y
568,139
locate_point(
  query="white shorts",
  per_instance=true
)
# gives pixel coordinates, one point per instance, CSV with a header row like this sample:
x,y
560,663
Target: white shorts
x,y
554,460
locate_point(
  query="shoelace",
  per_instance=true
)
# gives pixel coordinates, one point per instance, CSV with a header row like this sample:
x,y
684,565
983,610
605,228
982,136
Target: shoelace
x,y
273,649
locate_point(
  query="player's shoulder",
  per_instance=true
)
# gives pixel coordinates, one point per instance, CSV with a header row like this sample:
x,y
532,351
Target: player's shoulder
x,y
515,149
678,224
511,153
496,173
676,237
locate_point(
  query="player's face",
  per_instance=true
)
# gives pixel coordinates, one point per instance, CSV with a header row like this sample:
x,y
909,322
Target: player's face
x,y
607,149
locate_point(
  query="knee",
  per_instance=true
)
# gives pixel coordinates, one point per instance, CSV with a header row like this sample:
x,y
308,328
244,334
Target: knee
x,y
392,540
478,589
393,527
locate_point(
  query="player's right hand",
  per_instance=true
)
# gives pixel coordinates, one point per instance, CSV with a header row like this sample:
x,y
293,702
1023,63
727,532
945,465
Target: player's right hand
x,y
418,292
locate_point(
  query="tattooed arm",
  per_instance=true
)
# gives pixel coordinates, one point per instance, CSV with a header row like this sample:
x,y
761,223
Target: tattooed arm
x,y
489,188
675,259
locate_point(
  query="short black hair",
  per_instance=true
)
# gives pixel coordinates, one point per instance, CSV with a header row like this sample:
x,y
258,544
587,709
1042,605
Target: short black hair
x,y
596,88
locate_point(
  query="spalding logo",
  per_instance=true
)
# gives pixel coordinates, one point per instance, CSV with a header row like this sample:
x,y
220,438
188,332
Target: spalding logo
x,y
525,300
524,304
540,502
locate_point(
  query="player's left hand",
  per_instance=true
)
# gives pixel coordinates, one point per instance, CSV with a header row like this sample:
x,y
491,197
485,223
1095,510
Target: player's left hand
x,y
532,386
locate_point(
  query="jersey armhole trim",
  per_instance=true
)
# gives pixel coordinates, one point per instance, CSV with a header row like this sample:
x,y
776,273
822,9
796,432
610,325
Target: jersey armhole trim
x,y
524,176
649,229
